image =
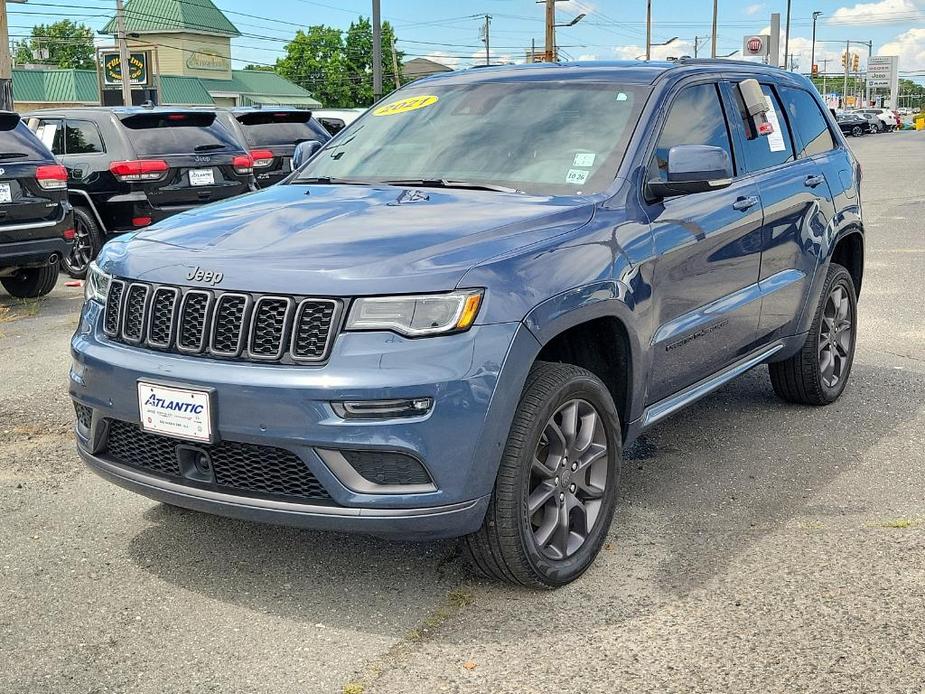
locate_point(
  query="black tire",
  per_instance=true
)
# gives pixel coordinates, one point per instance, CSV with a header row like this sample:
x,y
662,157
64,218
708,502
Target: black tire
x,y
506,546
802,378
29,283
857,131
87,244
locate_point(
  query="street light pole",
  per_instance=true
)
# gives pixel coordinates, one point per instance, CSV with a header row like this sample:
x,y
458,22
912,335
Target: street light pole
x,y
377,52
648,29
715,14
787,35
812,60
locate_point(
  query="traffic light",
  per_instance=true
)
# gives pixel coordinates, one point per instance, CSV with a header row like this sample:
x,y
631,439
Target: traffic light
x,y
815,70
855,63
844,59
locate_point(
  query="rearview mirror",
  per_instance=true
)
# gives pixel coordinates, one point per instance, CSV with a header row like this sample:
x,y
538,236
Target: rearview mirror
x,y
694,169
304,151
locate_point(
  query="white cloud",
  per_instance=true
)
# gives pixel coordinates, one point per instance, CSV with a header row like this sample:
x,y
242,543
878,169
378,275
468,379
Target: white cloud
x,y
444,59
884,10
675,49
910,47
587,56
752,10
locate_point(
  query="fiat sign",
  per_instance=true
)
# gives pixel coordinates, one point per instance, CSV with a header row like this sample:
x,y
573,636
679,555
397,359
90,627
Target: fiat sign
x,y
756,45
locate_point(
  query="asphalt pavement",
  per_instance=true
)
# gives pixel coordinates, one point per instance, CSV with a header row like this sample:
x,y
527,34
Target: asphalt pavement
x,y
757,546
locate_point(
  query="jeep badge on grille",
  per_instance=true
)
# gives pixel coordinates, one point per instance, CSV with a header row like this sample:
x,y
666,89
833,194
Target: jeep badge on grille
x,y
207,276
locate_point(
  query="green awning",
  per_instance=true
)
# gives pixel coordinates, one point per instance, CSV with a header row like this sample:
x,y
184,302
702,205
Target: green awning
x,y
266,100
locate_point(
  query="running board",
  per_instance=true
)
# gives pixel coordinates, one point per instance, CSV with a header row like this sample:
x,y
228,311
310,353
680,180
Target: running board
x,y
670,405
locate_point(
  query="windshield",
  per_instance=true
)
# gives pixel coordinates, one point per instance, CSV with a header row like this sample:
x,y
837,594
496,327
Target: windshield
x,y
547,138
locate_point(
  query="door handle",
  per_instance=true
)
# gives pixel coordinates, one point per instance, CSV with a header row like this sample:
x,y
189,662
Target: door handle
x,y
813,181
745,203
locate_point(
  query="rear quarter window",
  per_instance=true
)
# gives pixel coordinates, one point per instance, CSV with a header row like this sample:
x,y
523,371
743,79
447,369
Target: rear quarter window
x,y
158,134
765,151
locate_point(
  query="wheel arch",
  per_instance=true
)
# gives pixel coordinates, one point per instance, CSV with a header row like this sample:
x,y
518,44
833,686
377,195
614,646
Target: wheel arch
x,y
848,251
81,198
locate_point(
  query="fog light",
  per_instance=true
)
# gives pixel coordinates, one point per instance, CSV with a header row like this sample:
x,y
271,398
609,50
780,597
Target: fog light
x,y
382,409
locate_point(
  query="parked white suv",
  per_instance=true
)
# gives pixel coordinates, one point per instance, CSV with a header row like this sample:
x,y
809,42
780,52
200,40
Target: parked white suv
x,y
885,116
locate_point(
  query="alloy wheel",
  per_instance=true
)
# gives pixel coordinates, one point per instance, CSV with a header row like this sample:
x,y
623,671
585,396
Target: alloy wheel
x,y
567,479
82,251
835,337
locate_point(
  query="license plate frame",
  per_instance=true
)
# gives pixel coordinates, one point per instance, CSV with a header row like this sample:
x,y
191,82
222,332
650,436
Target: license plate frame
x,y
202,177
174,411
6,193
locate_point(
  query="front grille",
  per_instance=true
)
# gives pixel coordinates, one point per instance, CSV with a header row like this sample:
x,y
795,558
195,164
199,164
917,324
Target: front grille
x,y
225,325
238,468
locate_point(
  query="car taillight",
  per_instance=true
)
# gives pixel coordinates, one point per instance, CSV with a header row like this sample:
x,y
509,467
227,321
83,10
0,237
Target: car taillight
x,y
139,170
262,158
243,164
69,234
51,177
141,221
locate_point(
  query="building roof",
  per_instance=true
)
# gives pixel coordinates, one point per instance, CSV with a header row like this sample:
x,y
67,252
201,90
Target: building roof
x,y
260,87
61,86
422,67
157,16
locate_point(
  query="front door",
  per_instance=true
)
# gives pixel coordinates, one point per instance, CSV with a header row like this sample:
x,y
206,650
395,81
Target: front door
x,y
708,248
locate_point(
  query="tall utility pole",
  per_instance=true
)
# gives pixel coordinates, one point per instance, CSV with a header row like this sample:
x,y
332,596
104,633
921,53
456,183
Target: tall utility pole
x,y
870,52
787,36
648,29
377,52
395,64
844,91
715,14
6,67
124,67
486,37
825,69
550,31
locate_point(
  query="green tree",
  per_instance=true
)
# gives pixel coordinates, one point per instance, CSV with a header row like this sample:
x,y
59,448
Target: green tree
x,y
69,45
358,52
315,61
260,68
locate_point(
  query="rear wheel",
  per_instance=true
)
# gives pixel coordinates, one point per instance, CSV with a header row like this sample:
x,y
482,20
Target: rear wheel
x,y
818,373
87,243
556,489
29,283
857,131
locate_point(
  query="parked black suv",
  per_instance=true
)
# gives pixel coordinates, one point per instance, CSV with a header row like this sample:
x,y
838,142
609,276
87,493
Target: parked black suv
x,y
130,167
36,225
271,135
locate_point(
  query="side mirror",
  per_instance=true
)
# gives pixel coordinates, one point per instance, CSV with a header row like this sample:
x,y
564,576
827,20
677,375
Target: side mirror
x,y
304,151
694,169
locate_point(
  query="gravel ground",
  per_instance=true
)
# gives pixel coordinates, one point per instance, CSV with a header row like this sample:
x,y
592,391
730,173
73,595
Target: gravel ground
x,y
757,547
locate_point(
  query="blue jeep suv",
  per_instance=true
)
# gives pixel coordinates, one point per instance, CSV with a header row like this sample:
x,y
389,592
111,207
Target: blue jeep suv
x,y
453,317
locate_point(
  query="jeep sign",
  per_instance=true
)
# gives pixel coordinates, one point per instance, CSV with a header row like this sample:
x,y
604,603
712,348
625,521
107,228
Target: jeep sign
x,y
756,45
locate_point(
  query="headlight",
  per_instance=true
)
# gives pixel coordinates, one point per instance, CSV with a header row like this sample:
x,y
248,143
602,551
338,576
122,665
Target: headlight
x,y
96,286
416,315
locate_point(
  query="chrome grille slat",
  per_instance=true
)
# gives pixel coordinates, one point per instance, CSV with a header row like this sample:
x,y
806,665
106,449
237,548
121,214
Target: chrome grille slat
x,y
222,325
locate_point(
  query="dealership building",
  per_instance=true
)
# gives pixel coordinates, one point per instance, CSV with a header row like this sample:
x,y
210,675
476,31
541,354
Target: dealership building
x,y
185,48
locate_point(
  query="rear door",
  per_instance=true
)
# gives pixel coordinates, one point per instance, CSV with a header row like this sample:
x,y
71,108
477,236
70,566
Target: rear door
x,y
23,201
200,155
790,168
708,249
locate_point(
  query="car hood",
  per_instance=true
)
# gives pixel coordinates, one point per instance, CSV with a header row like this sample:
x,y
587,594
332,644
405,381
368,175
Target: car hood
x,y
342,240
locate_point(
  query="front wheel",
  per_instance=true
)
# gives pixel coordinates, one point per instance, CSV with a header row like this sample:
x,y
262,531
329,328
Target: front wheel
x,y
818,373
857,131
556,489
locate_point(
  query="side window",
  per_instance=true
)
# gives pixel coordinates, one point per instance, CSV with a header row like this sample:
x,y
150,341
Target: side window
x,y
82,137
765,151
695,117
51,134
808,121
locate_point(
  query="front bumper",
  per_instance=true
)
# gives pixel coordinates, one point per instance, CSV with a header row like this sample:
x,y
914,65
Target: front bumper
x,y
474,379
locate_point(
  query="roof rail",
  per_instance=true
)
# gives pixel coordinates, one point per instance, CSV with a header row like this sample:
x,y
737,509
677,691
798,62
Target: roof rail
x,y
687,60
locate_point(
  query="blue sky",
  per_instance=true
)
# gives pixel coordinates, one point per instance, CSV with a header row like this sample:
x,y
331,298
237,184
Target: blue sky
x,y
450,32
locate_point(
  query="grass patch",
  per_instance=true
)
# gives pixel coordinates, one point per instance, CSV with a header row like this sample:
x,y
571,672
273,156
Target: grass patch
x,y
898,523
20,308
354,688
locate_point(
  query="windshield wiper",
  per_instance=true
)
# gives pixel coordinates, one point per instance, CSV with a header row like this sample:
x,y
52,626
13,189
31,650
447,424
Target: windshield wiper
x,y
329,181
206,148
446,183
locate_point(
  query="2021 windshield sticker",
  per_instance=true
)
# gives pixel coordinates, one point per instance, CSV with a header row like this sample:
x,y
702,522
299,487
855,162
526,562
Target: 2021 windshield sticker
x,y
412,103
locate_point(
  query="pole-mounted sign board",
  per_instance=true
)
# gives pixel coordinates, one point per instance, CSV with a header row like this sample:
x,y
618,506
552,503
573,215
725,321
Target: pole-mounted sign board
x,y
882,70
137,72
